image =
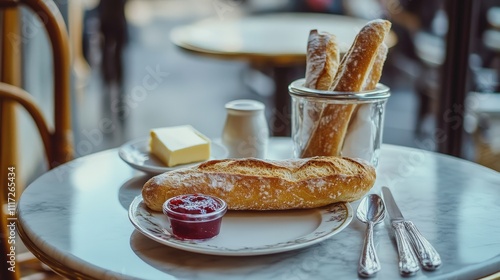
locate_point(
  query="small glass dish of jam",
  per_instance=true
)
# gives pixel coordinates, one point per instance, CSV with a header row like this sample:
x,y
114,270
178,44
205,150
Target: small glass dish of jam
x,y
195,216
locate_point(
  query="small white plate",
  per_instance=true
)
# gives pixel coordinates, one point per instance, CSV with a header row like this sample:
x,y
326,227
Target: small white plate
x,y
136,154
249,233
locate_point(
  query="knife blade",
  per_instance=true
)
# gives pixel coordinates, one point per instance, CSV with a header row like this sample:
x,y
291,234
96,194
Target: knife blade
x,y
408,263
426,253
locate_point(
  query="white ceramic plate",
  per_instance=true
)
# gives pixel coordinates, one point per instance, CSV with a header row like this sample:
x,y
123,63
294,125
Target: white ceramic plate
x,y
136,154
248,233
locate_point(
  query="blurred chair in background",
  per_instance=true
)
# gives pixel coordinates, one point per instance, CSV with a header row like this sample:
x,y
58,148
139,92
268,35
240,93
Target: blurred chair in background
x,y
57,141
113,28
484,100
487,48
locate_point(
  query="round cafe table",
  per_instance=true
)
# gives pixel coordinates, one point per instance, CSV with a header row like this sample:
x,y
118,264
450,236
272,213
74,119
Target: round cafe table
x,y
275,41
276,38
74,218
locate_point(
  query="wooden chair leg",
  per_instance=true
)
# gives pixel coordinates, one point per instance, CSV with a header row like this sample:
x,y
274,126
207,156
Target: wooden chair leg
x,y
10,73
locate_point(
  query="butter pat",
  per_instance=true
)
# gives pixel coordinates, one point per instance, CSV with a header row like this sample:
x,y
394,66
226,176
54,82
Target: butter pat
x,y
179,145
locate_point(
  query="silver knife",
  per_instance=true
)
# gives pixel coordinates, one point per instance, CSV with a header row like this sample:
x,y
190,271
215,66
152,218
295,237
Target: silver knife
x,y
428,256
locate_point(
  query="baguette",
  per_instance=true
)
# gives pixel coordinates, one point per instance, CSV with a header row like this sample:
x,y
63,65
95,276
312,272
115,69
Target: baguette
x,y
357,63
322,60
361,132
376,70
328,136
255,184
322,63
372,80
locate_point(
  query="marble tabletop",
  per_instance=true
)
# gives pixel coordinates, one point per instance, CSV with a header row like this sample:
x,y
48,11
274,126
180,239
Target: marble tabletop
x,y
75,219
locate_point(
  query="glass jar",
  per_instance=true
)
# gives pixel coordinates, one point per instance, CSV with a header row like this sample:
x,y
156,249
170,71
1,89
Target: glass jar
x,y
328,123
195,216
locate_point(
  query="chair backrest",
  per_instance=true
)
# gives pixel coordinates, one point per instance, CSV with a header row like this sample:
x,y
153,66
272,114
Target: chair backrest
x,y
57,141
61,147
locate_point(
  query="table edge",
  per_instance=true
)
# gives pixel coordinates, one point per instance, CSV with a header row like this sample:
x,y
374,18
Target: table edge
x,y
51,262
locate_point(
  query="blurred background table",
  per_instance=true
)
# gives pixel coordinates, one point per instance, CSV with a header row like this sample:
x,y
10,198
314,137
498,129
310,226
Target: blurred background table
x,y
273,43
75,219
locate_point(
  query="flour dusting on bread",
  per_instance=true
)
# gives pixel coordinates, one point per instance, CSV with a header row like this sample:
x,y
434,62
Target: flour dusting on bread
x,y
256,184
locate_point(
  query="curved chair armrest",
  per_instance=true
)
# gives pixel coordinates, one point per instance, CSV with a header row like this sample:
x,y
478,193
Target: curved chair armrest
x,y
13,93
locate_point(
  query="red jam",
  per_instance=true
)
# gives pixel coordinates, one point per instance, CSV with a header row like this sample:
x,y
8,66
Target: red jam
x,y
195,216
194,204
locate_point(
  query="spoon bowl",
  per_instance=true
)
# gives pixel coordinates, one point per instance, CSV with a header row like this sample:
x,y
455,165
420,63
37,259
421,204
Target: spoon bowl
x,y
371,208
371,211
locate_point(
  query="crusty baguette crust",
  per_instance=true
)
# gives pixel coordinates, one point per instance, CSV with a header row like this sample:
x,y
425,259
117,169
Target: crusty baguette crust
x,y
322,63
376,70
328,136
357,63
255,184
322,60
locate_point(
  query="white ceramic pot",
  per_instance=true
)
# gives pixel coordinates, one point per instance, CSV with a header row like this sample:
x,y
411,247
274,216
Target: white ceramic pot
x,y
246,132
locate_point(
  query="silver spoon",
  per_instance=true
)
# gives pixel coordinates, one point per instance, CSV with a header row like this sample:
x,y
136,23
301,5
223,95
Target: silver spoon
x,y
371,211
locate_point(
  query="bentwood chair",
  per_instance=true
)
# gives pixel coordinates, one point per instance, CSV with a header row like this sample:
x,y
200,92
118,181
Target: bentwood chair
x,y
57,141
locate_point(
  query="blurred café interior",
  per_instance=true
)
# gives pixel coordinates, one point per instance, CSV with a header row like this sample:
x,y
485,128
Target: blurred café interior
x,y
119,68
